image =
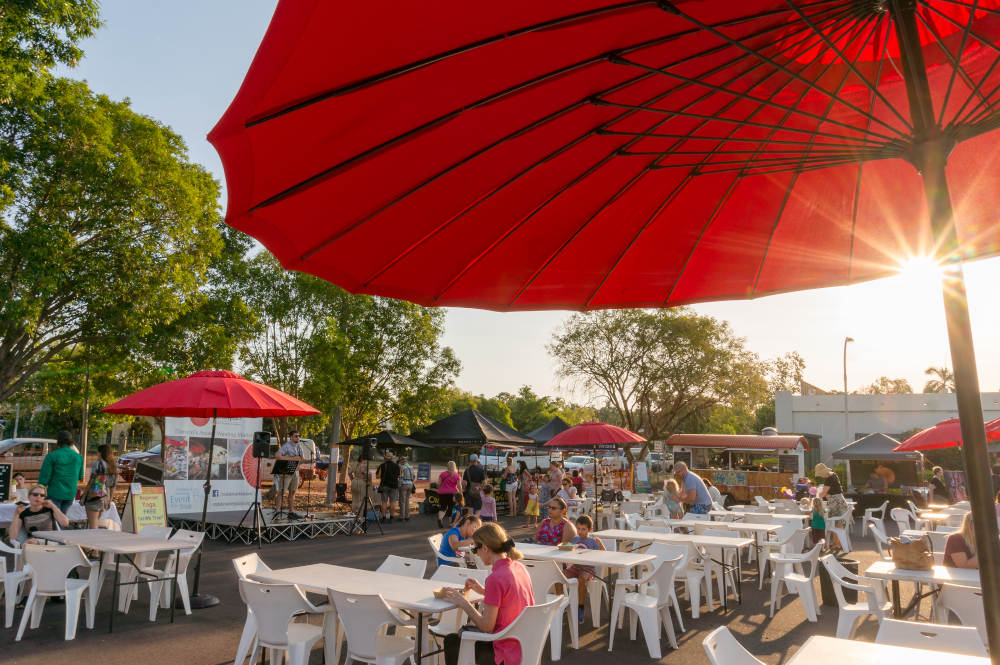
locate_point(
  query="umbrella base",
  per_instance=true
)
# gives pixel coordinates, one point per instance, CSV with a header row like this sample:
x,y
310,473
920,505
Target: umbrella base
x,y
200,601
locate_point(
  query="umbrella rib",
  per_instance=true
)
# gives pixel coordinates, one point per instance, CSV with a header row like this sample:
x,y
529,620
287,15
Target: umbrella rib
x,y
734,139
575,142
667,201
489,99
438,57
810,84
822,35
325,243
956,62
795,176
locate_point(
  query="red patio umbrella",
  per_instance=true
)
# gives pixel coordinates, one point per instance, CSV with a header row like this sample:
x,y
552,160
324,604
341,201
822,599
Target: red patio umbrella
x,y
594,435
946,434
629,153
211,394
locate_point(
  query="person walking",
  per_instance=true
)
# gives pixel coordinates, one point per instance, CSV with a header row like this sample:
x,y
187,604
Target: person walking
x,y
447,489
103,478
510,478
523,480
407,483
61,472
473,479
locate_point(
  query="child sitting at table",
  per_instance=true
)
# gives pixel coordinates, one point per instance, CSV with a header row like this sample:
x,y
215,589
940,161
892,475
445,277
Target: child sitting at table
x,y
817,523
531,507
457,509
583,540
488,513
672,498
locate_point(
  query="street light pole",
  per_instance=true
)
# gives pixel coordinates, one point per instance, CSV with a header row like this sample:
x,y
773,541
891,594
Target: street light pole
x,y
847,431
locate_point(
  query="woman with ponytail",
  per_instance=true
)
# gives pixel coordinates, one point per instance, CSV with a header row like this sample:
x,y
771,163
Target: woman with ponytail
x,y
506,594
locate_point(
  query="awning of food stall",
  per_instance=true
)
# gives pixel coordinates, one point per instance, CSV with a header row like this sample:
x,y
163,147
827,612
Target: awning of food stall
x,y
875,446
740,441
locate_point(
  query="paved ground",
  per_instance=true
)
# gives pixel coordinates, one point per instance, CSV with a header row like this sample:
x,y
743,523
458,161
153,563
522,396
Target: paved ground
x,y
210,636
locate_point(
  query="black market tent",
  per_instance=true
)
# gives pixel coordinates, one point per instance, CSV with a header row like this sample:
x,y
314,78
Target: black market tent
x,y
876,446
548,430
387,439
471,428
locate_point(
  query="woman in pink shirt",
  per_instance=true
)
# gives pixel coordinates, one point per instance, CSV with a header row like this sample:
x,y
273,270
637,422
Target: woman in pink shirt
x,y
506,594
447,488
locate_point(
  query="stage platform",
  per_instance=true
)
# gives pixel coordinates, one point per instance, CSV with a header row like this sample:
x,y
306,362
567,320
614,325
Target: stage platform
x,y
226,526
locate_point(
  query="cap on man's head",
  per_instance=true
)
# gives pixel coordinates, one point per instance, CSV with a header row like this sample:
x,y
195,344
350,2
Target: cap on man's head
x,y
473,457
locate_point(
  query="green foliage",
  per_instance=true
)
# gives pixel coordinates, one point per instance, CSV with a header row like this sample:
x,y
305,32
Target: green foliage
x,y
107,238
529,411
460,400
943,380
883,385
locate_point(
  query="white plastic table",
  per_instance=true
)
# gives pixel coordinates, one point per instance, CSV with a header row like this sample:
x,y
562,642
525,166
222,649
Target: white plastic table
x,y
585,557
737,543
822,650
886,570
409,593
741,514
759,531
120,543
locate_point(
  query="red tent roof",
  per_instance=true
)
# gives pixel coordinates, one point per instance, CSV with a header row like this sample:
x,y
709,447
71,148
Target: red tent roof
x,y
751,441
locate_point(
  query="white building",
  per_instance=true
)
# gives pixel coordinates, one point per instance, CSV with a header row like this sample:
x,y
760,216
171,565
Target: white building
x,y
823,415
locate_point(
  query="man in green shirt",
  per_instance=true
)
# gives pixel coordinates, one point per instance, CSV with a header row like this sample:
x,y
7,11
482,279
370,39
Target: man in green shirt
x,y
62,470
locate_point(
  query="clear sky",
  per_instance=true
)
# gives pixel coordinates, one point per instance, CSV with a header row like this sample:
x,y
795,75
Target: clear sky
x,y
182,61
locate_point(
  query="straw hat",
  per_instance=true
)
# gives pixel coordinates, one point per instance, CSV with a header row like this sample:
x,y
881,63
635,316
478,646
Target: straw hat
x,y
822,470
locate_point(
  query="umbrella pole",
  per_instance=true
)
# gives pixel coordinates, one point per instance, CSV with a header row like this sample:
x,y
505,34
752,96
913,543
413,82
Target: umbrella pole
x,y
930,156
201,601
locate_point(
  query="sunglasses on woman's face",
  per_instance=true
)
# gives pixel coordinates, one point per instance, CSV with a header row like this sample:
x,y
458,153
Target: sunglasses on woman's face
x,y
38,494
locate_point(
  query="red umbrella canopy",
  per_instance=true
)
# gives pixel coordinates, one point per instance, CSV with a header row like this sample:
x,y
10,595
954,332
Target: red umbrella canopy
x,y
212,393
589,154
594,434
946,434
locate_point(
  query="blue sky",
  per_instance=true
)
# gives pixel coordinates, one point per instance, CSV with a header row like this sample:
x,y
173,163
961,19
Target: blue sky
x,y
181,62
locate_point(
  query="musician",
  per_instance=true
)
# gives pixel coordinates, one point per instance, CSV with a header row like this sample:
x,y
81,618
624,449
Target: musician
x,y
289,483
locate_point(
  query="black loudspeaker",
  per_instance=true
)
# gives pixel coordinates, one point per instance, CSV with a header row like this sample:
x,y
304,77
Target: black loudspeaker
x,y
261,444
368,450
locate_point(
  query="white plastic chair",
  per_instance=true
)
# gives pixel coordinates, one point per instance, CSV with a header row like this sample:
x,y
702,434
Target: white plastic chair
x,y
435,542
936,637
881,542
797,581
843,532
631,507
161,591
791,541
12,581
401,565
874,515
725,576
365,618
48,567
723,649
914,511
649,603
275,606
761,502
529,629
964,602
451,620
250,564
690,571
902,518
545,575
128,592
873,603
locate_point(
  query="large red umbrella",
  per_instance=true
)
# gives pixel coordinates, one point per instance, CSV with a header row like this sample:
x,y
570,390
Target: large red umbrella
x,y
211,394
622,153
594,435
946,434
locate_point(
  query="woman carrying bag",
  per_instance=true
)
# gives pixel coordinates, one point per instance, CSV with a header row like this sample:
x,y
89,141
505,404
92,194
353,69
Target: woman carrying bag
x,y
103,478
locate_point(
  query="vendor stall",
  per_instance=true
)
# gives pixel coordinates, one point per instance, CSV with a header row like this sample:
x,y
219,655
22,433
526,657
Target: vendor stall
x,y
875,472
743,466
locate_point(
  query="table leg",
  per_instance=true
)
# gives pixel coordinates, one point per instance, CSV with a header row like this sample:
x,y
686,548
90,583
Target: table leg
x,y
760,560
897,609
173,587
420,638
739,577
115,590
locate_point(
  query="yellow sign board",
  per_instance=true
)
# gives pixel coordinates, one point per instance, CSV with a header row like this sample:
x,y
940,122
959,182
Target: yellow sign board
x,y
145,507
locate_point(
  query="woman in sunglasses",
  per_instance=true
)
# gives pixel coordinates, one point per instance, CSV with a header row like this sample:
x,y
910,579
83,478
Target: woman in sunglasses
x,y
41,514
555,529
506,594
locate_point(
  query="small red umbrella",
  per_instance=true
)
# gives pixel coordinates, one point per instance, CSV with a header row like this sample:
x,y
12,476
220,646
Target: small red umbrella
x,y
594,435
946,434
211,394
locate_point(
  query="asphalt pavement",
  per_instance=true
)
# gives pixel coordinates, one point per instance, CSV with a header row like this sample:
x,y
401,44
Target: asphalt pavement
x,y
210,636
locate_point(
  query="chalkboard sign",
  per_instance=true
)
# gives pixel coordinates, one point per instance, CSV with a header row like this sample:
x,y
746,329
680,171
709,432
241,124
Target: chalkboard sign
x,y
788,463
424,471
5,476
682,456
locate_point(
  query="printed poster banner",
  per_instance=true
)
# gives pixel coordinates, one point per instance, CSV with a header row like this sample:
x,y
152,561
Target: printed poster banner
x,y
187,459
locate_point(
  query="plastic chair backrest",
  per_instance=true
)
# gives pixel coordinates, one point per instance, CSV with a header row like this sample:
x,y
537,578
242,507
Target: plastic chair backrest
x,y
362,616
812,559
761,501
108,524
249,564
666,551
760,518
901,516
881,510
935,637
401,565
653,528
692,516
155,531
631,507
881,542
663,577
840,575
457,575
967,604
913,508
531,628
51,564
723,649
938,540
610,544
544,575
794,541
274,605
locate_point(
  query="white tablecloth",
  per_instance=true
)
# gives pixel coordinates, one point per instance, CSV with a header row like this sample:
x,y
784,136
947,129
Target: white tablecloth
x,y
77,513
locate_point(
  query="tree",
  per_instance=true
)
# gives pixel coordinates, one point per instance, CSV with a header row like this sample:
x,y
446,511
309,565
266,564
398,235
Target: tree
x,y
108,234
528,410
883,385
496,408
659,370
783,373
943,381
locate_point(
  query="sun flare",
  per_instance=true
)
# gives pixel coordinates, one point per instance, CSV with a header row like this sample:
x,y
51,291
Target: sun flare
x,y
921,271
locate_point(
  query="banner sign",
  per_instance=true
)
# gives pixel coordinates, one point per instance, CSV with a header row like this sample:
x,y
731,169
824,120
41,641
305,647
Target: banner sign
x,y
641,478
187,460
146,507
424,471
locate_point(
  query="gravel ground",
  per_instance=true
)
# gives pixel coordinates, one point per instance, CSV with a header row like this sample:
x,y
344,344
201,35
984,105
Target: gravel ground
x,y
210,636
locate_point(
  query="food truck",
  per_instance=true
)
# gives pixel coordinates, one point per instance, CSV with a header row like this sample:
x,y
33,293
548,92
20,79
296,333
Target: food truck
x,y
743,466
